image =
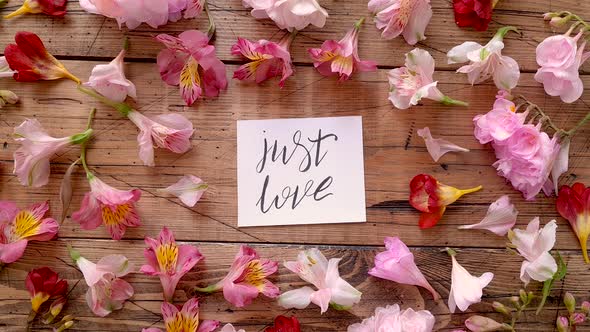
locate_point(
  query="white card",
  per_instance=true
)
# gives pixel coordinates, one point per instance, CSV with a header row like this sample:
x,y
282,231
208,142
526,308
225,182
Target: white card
x,y
301,171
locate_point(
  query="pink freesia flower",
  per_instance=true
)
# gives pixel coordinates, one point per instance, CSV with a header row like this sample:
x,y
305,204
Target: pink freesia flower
x,y
313,267
109,206
534,245
110,81
189,189
499,219
391,318
168,131
465,288
399,17
107,292
341,57
247,278
437,147
500,123
487,61
168,260
267,59
190,62
411,83
397,264
31,159
18,227
185,319
289,14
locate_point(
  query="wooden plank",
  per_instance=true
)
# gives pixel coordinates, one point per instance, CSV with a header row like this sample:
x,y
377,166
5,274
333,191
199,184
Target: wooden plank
x,y
143,310
80,34
393,155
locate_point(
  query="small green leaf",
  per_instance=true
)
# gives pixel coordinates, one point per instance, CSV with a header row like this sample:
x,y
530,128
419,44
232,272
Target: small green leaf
x,y
548,284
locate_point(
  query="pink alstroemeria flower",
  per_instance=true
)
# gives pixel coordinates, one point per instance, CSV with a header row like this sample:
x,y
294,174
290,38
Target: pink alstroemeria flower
x,y
438,147
341,57
190,62
18,227
411,83
185,319
499,219
267,59
189,189
168,260
397,264
31,159
392,318
168,131
109,206
246,279
107,292
401,17
313,267
465,288
289,14
110,81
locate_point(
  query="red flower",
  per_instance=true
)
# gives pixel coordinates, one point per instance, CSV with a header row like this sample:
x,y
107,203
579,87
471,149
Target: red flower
x,y
48,7
573,203
31,61
473,13
43,284
432,197
284,324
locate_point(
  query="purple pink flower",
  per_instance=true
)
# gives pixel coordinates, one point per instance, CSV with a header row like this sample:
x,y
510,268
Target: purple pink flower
x,y
392,318
186,319
402,17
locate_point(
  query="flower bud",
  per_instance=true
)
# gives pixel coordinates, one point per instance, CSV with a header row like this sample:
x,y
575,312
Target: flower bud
x,y
586,307
570,302
578,318
558,22
562,324
8,97
523,296
549,16
499,307
482,324
515,301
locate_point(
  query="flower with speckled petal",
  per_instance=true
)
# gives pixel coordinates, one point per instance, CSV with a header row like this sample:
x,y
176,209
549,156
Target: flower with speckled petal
x,y
402,17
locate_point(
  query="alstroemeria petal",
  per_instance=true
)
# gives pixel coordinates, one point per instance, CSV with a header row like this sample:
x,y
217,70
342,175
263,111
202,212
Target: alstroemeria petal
x,y
458,54
437,147
298,298
189,189
465,288
499,219
561,163
65,190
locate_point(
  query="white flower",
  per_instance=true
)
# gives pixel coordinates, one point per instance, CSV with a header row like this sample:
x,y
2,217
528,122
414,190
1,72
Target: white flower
x,y
289,14
188,189
465,288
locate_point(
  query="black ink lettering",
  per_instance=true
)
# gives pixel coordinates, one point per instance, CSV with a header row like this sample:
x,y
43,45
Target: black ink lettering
x,y
319,140
321,187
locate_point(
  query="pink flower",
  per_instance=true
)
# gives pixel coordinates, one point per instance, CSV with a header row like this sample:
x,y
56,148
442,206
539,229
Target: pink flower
x,y
107,292
109,206
110,81
391,318
168,260
267,59
465,288
313,267
185,319
478,323
190,62
168,131
341,57
289,14
230,328
189,189
408,18
487,61
409,84
247,278
437,147
31,159
500,123
397,264
499,219
18,227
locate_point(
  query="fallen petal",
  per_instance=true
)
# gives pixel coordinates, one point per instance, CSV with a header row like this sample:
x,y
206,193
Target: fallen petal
x,y
437,147
499,219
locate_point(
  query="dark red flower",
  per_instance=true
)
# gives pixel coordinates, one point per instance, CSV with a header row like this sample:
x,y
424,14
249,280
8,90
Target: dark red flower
x,y
473,13
48,7
573,203
43,284
31,61
284,324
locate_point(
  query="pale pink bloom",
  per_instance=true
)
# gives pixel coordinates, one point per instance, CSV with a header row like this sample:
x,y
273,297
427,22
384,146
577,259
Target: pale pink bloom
x,y
406,17
437,147
168,260
391,318
558,51
397,264
247,277
109,206
534,244
411,83
190,62
499,219
110,81
18,227
266,60
560,166
483,324
313,267
341,57
107,292
487,62
500,123
31,159
465,288
185,319
188,189
230,328
169,131
289,14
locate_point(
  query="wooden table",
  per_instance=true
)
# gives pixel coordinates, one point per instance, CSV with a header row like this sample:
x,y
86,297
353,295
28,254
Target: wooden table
x,y
393,155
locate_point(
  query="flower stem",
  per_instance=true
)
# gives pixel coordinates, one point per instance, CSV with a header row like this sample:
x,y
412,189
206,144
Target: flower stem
x,y
450,251
211,29
448,101
24,9
358,23
208,289
544,118
123,108
89,174
470,190
584,245
572,131
503,31
126,43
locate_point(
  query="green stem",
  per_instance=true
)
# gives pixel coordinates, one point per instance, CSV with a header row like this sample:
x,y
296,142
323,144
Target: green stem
x,y
211,29
504,30
89,174
123,108
208,289
450,251
448,101
517,315
126,43
90,118
358,23
572,131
